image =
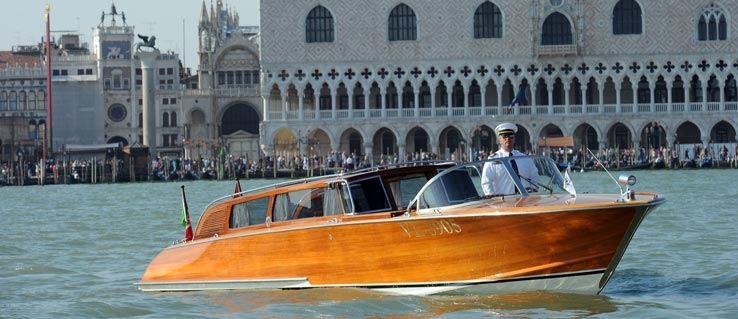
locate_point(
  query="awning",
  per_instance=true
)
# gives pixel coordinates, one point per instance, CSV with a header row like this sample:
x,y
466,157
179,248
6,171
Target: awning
x,y
564,141
89,148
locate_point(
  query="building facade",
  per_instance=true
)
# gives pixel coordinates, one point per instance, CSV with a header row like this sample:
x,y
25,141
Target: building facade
x,y
390,77
224,109
22,104
121,77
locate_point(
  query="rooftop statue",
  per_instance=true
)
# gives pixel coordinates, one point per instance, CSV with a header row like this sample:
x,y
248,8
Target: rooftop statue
x,y
147,41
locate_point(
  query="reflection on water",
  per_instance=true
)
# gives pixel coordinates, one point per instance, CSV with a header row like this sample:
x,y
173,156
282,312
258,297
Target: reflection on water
x,y
530,304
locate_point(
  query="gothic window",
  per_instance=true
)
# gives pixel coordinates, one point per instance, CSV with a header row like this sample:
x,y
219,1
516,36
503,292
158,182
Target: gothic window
x,y
661,93
713,90
556,30
644,92
165,119
402,24
117,79
487,21
731,94
695,90
677,90
23,100
319,25
31,100
13,101
173,119
3,101
712,24
626,18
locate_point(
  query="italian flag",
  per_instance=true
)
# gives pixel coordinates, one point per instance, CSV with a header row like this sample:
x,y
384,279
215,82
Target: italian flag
x,y
186,218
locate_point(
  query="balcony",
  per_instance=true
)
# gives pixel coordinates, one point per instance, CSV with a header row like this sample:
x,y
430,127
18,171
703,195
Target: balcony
x,y
557,50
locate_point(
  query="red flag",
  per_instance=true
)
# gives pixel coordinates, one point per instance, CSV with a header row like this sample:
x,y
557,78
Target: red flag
x,y
186,218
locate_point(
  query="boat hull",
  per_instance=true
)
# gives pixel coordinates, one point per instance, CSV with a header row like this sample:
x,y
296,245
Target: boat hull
x,y
488,247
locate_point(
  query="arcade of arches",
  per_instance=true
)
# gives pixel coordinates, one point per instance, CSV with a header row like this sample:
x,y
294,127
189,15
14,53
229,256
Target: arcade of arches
x,y
452,142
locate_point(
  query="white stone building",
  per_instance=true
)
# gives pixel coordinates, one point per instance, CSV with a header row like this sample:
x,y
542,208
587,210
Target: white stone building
x,y
399,77
223,110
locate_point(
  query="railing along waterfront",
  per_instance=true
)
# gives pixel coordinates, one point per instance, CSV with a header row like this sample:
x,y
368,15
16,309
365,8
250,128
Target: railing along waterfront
x,y
523,110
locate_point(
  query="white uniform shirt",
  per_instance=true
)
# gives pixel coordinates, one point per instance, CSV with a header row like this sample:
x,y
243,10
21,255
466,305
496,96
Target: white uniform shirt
x,y
496,180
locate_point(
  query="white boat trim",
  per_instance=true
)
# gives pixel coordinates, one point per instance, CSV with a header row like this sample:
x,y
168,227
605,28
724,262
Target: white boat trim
x,y
277,283
584,282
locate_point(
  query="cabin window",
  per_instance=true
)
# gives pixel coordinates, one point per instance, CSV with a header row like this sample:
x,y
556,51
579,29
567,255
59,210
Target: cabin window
x,y
249,213
454,187
369,196
405,189
307,203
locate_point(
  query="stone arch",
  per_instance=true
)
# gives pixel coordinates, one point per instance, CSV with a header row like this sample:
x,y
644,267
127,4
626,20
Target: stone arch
x,y
688,133
351,142
722,132
620,136
117,139
285,143
452,143
384,143
653,135
418,140
551,130
483,141
586,135
240,116
522,139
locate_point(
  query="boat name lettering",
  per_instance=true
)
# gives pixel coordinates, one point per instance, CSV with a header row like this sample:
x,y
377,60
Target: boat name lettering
x,y
430,228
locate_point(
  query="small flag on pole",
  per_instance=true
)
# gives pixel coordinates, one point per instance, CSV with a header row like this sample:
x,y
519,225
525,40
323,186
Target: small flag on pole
x,y
568,183
186,217
238,188
519,99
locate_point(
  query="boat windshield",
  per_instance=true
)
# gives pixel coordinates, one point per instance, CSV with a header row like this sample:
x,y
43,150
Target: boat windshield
x,y
511,176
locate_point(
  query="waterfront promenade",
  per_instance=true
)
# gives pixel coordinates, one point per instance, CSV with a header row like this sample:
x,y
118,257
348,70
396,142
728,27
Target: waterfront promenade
x,y
230,167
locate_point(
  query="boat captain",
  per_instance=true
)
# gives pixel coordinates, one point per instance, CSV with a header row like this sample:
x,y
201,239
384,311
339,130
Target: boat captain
x,y
495,179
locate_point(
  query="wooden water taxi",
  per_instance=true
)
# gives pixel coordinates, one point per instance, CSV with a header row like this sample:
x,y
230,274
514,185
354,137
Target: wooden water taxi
x,y
416,228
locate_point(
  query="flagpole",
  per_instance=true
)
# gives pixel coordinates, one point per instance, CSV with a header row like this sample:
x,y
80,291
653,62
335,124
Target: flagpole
x,y
49,117
186,217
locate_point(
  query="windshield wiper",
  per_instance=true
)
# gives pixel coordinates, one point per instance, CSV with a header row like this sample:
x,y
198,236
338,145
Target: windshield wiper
x,y
536,183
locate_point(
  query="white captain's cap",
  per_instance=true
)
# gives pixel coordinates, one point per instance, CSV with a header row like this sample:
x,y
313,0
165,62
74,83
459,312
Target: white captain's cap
x,y
506,129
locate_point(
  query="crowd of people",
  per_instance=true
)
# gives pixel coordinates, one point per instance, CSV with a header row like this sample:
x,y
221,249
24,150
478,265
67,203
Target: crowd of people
x,y
232,166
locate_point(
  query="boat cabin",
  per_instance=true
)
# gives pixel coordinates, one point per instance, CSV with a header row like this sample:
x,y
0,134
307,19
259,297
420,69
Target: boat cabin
x,y
380,192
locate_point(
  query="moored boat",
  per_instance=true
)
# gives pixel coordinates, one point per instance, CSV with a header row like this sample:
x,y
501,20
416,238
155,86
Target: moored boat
x,y
417,228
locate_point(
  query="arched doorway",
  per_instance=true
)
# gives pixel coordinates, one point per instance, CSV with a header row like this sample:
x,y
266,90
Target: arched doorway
x,y
417,141
351,142
522,140
585,136
483,141
239,130
452,144
385,146
653,136
619,136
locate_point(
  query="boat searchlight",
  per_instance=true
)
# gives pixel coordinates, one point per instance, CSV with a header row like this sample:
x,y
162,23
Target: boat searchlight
x,y
626,181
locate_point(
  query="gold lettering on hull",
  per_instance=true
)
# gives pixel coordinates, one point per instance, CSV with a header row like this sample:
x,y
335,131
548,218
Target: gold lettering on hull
x,y
427,228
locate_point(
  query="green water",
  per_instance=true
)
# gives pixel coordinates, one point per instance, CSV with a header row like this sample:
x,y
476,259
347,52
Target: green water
x,y
74,251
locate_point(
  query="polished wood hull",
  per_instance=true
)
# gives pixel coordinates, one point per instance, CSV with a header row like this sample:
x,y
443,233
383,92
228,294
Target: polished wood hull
x,y
551,242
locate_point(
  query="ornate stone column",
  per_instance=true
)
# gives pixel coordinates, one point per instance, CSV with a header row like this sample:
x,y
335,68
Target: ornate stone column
x,y
283,96
148,87
416,91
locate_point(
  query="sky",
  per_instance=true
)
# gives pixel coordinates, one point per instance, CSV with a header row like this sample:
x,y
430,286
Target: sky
x,y
173,22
